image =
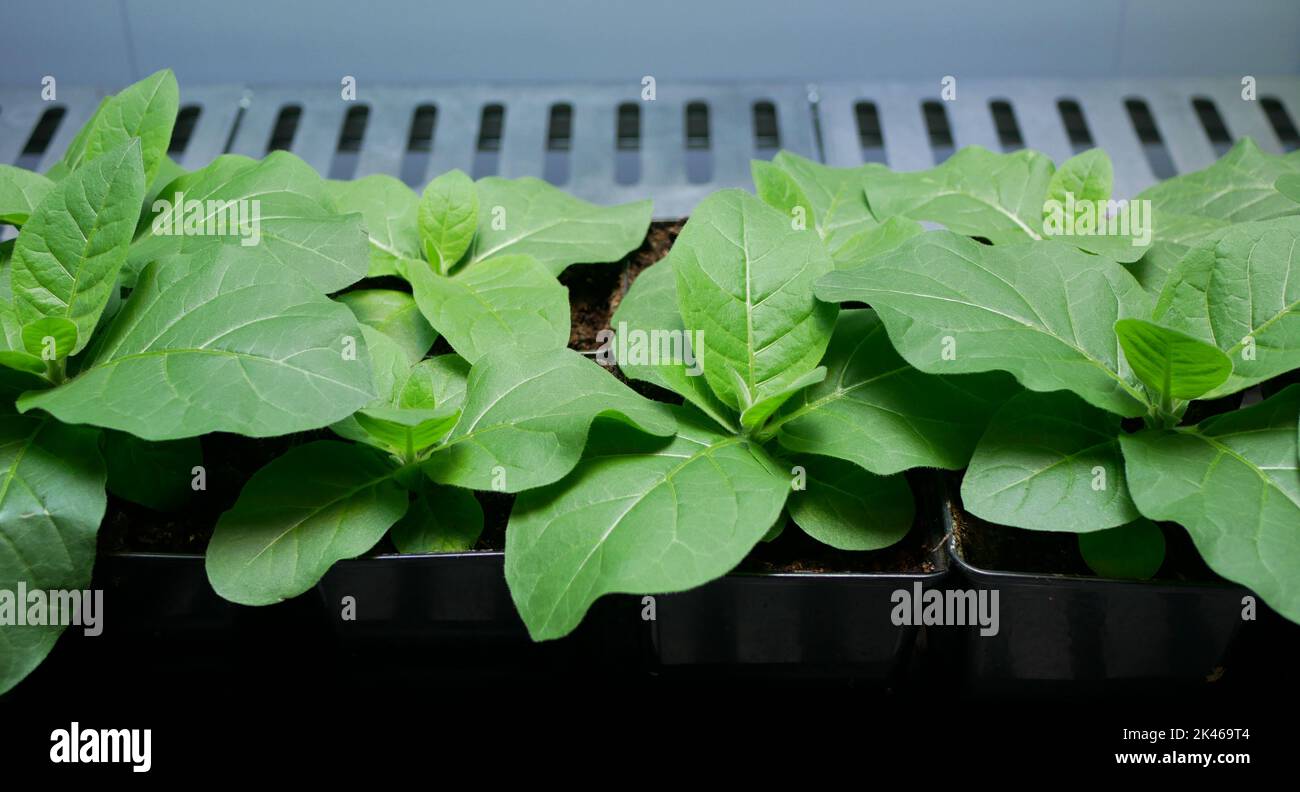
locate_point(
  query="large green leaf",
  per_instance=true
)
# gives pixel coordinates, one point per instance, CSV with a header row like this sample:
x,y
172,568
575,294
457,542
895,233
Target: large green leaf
x,y
218,343
1043,311
1171,364
839,205
317,504
1237,188
51,504
1233,483
512,302
1240,291
395,314
387,208
157,475
440,520
975,192
448,218
848,508
526,418
530,217
145,110
877,411
1049,462
21,191
641,516
286,215
68,256
744,282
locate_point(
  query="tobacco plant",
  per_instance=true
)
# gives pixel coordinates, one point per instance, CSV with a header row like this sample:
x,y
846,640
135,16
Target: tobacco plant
x,y
1113,357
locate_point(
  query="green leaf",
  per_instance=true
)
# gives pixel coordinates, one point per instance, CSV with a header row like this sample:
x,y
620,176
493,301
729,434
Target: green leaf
x,y
51,504
277,210
388,212
975,192
744,281
839,205
755,414
648,312
168,172
1043,311
1049,462
1233,483
69,253
1087,176
875,410
318,504
779,190
639,515
1178,235
526,419
1129,552
219,343
145,110
848,508
1171,364
21,191
1237,188
13,349
1289,185
1240,292
511,302
395,314
531,218
51,338
1120,231
440,520
448,218
875,241
157,475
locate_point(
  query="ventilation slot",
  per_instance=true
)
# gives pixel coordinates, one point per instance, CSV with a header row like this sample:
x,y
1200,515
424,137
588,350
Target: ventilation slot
x,y
1076,126
487,152
699,157
348,150
1212,123
559,140
186,119
39,141
937,127
419,145
1152,144
627,145
871,137
286,126
234,128
767,136
1004,120
1281,122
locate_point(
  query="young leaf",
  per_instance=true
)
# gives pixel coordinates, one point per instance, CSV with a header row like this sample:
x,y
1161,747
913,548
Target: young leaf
x,y
21,191
639,515
1240,291
876,411
388,211
51,338
448,217
526,418
848,508
395,314
145,110
318,504
510,302
69,253
1049,462
1171,364
1043,311
1129,552
157,475
51,504
839,205
758,412
744,281
779,190
530,217
1087,176
440,520
218,343
976,192
1233,483
1237,188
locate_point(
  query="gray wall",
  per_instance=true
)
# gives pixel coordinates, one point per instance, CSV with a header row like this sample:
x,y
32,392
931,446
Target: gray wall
x,y
254,42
